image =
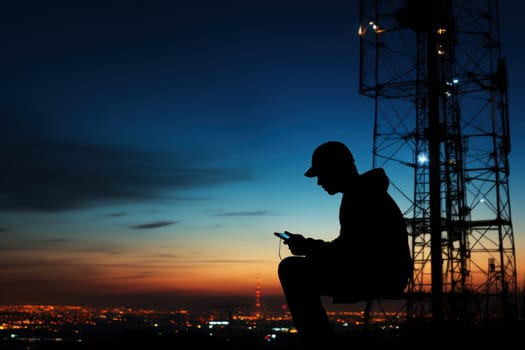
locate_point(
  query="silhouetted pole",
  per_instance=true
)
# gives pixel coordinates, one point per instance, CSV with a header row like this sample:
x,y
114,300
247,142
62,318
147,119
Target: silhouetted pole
x,y
434,144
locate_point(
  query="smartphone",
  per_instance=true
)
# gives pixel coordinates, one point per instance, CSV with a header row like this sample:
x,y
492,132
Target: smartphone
x,y
282,235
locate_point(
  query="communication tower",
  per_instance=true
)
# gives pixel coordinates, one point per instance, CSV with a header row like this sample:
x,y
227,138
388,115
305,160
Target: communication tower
x,y
436,74
258,312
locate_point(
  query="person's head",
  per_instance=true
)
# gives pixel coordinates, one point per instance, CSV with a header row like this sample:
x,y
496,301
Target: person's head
x,y
334,165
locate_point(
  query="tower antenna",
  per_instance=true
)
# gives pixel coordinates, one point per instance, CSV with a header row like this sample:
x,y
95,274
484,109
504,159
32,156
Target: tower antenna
x,y
258,312
441,128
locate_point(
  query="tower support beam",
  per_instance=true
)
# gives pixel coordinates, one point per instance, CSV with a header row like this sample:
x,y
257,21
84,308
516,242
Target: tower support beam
x,y
438,79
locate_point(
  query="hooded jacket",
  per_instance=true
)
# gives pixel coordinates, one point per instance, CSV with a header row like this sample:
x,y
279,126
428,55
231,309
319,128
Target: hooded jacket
x,y
372,245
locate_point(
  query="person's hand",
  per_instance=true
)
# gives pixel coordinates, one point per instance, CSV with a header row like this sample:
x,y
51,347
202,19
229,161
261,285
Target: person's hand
x,y
296,243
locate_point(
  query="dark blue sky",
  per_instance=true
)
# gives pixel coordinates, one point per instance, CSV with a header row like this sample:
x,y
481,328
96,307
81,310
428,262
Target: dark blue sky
x,y
155,145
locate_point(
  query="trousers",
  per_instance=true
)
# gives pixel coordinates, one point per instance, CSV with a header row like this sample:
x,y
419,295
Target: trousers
x,y
303,285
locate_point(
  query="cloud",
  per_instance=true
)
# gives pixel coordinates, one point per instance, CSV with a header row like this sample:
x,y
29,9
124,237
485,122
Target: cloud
x,y
156,224
232,261
116,214
52,245
246,213
53,176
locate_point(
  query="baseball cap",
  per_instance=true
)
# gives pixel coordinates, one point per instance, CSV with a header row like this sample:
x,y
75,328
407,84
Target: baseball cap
x,y
330,155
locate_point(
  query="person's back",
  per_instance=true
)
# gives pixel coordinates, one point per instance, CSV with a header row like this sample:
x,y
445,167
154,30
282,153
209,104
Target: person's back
x,y
374,236
370,255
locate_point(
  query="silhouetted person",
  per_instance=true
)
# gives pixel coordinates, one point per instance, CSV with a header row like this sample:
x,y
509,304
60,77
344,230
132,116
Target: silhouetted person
x,y
370,256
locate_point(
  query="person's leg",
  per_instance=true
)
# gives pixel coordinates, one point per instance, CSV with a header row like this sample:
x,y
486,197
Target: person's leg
x,y
300,284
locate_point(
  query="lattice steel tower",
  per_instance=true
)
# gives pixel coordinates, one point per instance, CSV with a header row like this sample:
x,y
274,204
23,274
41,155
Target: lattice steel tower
x,y
435,71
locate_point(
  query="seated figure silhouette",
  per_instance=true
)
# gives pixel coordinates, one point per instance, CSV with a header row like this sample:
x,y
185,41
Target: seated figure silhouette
x,y
369,257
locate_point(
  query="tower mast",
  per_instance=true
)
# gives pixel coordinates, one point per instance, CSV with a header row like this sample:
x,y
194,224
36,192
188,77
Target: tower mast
x,y
258,312
439,83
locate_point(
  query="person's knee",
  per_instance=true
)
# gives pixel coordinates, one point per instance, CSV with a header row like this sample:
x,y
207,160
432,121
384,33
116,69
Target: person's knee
x,y
291,265
284,266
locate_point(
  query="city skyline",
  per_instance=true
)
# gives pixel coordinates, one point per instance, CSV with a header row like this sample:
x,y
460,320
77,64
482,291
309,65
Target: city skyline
x,y
152,149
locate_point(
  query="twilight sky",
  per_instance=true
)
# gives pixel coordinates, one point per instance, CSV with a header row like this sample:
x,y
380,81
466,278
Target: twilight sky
x,y
151,148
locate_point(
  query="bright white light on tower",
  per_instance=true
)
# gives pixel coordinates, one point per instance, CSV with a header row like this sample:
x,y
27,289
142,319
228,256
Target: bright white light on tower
x,y
422,158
